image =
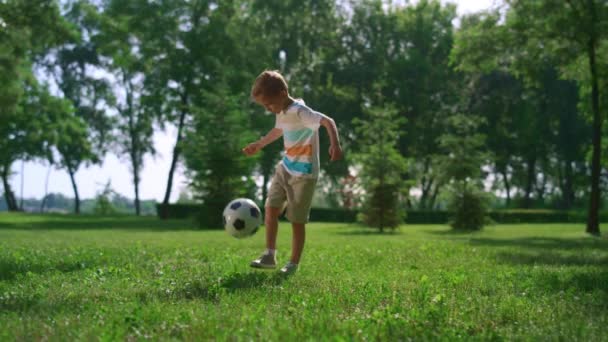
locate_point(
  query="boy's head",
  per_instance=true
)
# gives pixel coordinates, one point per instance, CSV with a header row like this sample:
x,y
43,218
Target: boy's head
x,y
271,91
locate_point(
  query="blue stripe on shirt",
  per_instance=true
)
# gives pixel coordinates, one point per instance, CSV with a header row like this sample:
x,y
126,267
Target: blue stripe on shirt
x,y
298,134
301,167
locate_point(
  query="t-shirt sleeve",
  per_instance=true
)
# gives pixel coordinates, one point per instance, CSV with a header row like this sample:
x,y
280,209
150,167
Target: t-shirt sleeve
x,y
277,122
310,118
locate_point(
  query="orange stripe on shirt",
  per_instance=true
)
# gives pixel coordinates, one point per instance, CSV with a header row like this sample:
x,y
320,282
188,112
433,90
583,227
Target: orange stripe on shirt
x,y
294,151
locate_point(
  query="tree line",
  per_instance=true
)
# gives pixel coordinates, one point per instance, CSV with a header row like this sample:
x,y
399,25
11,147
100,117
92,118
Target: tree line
x,y
511,98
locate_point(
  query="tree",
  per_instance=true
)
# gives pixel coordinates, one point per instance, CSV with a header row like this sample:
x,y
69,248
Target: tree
x,y
461,166
534,132
28,29
427,87
191,44
382,168
218,169
122,58
84,139
103,201
571,30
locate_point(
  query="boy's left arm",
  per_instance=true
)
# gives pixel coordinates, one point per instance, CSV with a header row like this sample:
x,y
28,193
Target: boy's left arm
x,y
335,150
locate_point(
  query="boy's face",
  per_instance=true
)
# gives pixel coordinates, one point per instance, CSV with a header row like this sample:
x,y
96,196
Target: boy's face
x,y
272,104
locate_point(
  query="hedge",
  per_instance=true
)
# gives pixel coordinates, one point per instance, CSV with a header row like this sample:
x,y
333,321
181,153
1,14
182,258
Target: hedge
x,y
183,211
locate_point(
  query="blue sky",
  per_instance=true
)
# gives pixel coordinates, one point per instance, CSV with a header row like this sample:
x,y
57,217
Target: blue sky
x,y
154,176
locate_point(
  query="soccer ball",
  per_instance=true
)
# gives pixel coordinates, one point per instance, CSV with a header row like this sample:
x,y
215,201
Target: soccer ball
x,y
242,218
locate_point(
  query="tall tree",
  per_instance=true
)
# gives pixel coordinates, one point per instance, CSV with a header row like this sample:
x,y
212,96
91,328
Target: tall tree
x,y
218,169
28,30
461,168
122,58
85,139
382,167
570,29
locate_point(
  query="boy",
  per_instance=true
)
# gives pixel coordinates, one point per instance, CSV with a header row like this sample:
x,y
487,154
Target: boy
x,y
296,174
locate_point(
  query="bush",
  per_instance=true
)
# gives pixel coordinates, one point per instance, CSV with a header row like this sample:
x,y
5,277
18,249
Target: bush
x,y
332,215
382,208
468,210
188,210
178,211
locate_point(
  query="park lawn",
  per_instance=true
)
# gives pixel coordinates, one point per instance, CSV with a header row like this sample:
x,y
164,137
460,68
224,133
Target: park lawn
x,y
65,278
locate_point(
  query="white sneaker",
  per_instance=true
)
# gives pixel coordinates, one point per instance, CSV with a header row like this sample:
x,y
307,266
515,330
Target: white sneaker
x,y
266,260
289,268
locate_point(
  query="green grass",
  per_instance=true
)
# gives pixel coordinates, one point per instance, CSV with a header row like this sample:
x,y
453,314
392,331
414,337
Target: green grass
x,y
65,278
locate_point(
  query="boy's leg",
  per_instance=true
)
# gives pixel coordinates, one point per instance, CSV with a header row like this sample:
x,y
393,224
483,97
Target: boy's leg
x,y
299,199
272,225
297,241
274,204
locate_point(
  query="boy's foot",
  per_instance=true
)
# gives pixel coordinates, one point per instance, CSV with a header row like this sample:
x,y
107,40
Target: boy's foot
x,y
266,260
289,269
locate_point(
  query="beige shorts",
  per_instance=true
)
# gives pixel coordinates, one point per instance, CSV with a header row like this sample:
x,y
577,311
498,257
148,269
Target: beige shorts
x,y
293,191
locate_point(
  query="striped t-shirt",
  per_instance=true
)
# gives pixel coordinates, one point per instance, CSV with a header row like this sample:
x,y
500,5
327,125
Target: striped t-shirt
x,y
300,126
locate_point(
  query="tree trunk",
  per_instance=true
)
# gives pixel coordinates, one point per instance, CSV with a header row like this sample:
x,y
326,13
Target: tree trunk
x,y
425,185
75,187
505,180
567,190
9,196
434,196
46,189
176,154
137,204
531,179
135,151
22,182
593,226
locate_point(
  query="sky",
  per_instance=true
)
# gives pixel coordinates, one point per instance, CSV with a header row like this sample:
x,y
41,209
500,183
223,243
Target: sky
x,y
156,168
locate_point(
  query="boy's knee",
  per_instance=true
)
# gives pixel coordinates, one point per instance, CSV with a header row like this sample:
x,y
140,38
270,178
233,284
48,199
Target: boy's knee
x,y
272,213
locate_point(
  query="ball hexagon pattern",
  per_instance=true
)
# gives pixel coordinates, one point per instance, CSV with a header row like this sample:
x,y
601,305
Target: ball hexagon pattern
x,y
242,218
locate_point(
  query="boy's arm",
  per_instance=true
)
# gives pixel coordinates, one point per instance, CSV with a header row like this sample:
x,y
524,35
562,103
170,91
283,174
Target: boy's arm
x,y
271,136
335,150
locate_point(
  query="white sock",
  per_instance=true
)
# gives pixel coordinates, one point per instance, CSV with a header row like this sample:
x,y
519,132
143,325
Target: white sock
x,y
271,251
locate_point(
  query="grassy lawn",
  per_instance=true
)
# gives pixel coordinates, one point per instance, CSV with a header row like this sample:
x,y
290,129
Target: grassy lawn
x,y
65,278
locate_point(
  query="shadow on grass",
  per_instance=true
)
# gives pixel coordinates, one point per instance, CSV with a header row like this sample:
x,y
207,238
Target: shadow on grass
x,y
213,290
454,232
10,269
545,243
578,282
252,279
552,259
204,289
587,266
367,232
85,222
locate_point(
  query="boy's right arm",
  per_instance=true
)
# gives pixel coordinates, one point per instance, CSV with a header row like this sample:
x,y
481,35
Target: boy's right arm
x,y
271,136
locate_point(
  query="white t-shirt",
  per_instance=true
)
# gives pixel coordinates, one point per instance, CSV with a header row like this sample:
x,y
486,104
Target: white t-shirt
x,y
300,126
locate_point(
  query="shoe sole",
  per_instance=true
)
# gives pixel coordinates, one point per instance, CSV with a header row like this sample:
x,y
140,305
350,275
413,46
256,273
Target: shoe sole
x,y
265,267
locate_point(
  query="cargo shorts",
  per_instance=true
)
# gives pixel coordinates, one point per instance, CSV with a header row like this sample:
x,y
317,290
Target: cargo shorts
x,y
292,192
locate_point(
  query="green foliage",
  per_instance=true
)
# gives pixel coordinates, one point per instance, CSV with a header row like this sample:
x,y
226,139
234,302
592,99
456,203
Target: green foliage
x,y
123,278
461,166
216,165
26,32
469,210
103,201
381,168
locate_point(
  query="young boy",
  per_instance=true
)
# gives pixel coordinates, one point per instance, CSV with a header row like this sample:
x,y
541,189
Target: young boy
x,y
296,174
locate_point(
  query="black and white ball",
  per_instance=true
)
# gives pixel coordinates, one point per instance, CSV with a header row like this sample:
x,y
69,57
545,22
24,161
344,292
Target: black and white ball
x,y
242,218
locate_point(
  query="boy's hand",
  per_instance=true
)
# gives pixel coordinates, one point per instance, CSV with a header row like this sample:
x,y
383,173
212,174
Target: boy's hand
x,y
252,148
335,152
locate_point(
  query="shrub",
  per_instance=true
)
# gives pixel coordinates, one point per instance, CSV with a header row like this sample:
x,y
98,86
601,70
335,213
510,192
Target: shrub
x,y
468,208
